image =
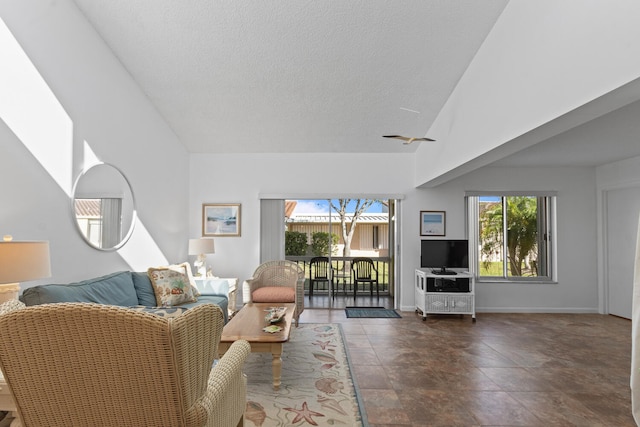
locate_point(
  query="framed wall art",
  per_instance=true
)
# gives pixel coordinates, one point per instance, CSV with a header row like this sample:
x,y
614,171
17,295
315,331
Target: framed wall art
x,y
221,219
432,223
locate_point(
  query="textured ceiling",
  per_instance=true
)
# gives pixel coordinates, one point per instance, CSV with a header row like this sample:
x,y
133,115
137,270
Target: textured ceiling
x,y
258,76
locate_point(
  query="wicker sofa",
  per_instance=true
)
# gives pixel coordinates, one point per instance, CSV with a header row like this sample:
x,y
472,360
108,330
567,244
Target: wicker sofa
x,y
124,288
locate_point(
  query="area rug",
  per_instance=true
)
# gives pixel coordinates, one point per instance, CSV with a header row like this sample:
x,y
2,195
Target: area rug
x,y
371,312
317,388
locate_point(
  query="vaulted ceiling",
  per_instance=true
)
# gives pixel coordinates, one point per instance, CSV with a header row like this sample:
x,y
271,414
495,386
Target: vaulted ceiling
x,y
295,76
256,76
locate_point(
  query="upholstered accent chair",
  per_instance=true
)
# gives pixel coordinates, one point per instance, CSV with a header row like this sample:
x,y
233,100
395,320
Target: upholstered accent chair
x,y
85,364
276,282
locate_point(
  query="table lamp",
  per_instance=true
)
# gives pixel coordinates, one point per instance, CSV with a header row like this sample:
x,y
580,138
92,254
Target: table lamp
x,y
201,247
20,262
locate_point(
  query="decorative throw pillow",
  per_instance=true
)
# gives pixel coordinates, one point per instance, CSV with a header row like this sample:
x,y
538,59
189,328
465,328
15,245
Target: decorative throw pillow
x,y
194,288
11,305
172,284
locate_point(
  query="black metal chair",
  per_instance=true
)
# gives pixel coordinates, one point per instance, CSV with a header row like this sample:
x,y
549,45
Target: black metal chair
x,y
364,271
319,272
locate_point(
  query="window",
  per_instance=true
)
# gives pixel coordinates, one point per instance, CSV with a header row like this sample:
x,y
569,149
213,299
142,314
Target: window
x,y
376,238
511,236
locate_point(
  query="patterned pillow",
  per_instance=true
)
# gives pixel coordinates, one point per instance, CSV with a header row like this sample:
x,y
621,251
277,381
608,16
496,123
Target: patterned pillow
x,y
11,305
194,288
172,284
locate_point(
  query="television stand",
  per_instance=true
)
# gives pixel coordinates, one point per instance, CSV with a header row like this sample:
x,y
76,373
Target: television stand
x,y
443,272
436,294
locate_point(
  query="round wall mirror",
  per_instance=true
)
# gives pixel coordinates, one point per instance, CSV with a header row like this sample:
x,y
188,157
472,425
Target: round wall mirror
x,y
103,207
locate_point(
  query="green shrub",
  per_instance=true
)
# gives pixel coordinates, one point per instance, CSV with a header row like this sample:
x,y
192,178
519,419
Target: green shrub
x,y
320,243
295,243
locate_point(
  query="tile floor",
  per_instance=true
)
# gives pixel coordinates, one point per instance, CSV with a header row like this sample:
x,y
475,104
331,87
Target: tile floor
x,y
503,370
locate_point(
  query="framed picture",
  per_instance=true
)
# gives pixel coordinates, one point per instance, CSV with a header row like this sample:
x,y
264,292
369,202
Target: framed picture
x,y
221,219
432,223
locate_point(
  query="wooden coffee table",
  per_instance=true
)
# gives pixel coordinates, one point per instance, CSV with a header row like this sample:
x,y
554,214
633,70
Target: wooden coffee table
x,y
247,325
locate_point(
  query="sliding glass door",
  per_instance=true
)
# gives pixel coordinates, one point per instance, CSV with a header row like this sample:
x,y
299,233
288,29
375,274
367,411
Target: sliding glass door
x,y
343,229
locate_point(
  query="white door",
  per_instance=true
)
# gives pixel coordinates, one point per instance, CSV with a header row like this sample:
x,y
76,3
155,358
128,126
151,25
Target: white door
x,y
623,206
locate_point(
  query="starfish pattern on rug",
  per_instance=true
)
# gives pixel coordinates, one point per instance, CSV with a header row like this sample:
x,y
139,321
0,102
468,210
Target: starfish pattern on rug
x,y
324,344
304,414
317,385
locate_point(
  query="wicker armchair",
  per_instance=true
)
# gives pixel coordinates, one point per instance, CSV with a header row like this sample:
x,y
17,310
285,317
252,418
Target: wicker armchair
x,y
80,364
276,282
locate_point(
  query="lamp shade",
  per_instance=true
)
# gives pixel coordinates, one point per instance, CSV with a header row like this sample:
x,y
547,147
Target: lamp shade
x,y
22,261
201,246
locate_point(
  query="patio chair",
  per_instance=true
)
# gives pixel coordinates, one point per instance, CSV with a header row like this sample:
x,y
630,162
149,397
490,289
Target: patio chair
x,y
319,272
85,364
276,282
364,271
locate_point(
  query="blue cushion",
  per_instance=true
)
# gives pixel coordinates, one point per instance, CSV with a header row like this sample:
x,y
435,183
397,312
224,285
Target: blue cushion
x,y
113,289
222,302
144,289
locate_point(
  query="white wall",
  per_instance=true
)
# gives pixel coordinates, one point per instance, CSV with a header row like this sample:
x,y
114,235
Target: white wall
x,y
242,178
108,111
622,175
577,288
105,108
239,178
542,60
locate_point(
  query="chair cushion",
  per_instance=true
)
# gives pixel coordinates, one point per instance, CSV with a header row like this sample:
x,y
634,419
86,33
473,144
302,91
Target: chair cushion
x,y
172,284
274,294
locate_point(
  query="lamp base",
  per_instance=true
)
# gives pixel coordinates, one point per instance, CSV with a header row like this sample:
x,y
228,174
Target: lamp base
x,y
9,292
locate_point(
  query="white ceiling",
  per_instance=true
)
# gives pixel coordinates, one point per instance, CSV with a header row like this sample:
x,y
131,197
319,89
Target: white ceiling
x,y
257,76
609,138
267,76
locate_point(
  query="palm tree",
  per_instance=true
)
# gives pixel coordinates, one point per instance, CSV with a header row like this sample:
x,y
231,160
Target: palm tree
x,y
521,231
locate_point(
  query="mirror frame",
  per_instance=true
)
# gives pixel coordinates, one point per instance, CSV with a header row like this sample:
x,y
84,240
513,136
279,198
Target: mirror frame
x,y
134,216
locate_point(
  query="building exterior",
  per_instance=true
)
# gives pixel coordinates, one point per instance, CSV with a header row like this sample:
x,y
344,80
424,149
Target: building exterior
x,y
371,237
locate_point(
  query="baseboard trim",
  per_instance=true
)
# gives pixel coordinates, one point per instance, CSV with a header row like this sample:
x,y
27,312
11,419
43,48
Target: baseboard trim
x,y
558,310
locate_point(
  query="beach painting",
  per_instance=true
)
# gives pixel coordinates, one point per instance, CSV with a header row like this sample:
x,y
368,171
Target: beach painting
x,y
432,223
221,219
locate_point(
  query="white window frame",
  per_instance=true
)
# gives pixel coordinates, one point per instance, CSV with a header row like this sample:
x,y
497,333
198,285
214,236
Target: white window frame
x,y
471,200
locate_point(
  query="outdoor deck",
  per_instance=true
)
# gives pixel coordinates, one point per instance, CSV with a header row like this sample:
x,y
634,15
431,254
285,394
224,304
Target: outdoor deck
x,y
342,277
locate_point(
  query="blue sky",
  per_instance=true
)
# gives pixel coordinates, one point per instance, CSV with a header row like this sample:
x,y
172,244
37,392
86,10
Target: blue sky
x,y
490,198
322,206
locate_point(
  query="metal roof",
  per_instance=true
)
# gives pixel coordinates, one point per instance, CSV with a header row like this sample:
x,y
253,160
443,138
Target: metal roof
x,y
87,208
335,218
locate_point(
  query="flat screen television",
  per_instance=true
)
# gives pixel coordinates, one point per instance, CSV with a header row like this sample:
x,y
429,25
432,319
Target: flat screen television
x,y
444,253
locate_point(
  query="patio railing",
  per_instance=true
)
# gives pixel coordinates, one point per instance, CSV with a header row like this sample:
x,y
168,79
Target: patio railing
x,y
342,277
